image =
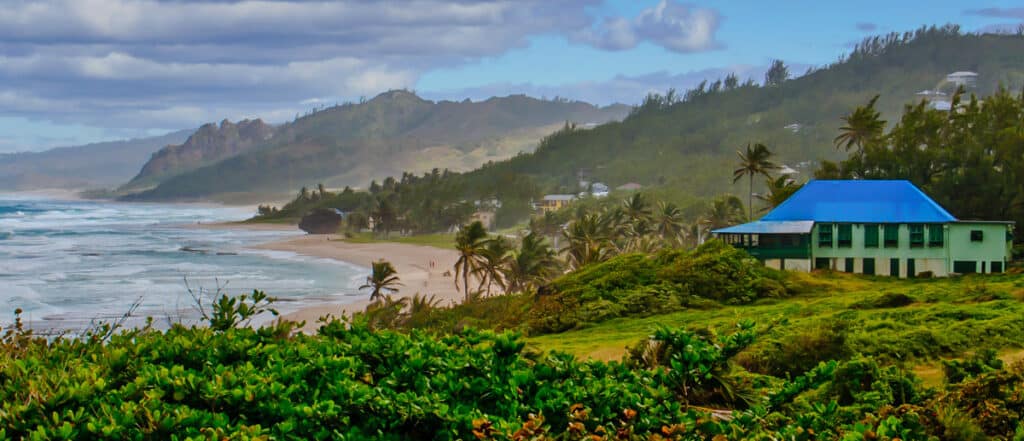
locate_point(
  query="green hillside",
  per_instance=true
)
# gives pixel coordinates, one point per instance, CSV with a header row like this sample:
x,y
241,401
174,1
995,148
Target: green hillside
x,y
682,146
396,131
689,146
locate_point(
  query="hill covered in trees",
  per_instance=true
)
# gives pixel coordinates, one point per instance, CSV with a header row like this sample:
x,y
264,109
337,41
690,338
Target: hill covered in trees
x,y
682,146
396,131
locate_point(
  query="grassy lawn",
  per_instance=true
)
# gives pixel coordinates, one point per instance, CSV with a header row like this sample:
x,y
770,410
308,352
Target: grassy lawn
x,y
914,321
436,240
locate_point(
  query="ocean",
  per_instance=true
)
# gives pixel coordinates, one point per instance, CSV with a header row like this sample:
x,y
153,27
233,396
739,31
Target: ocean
x,y
71,264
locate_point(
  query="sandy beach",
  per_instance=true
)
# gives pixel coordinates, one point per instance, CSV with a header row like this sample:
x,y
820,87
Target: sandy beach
x,y
413,263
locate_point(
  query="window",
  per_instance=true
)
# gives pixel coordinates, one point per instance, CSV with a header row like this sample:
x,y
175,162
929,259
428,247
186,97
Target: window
x,y
822,263
965,267
894,267
825,235
845,235
892,235
997,267
916,236
869,266
935,235
871,236
977,236
848,264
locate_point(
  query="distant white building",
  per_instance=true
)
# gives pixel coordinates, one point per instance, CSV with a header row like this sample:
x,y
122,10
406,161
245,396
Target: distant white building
x,y
599,190
786,170
963,78
940,105
795,127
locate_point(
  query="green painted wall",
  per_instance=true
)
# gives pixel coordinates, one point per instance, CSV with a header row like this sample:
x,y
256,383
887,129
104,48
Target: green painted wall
x,y
994,246
957,246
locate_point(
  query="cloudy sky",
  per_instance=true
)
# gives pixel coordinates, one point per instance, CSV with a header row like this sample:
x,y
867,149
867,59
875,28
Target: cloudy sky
x,y
75,71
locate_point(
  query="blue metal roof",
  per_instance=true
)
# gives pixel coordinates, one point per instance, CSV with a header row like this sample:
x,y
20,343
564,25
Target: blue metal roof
x,y
769,227
860,201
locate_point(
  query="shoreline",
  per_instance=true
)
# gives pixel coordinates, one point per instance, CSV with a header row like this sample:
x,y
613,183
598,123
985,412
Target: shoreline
x,y
412,262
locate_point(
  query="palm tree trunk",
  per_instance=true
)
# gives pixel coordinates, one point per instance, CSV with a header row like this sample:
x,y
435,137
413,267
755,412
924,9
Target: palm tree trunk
x,y
465,282
750,200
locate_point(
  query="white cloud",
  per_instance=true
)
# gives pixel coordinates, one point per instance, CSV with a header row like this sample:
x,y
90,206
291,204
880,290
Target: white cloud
x,y
138,64
668,24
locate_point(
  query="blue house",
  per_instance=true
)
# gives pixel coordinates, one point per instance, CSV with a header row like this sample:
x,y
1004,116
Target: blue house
x,y
872,227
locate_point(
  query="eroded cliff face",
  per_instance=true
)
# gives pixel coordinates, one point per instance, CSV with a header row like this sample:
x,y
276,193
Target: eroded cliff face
x,y
209,144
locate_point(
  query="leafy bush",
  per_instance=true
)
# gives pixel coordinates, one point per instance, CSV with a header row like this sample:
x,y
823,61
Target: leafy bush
x,y
719,271
887,300
640,285
797,353
984,361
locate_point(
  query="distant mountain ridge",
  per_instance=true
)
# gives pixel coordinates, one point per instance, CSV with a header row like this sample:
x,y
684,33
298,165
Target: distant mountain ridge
x,y
207,145
97,165
353,143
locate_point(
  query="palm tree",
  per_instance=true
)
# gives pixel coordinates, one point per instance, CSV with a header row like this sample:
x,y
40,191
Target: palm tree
x,y
754,162
531,265
547,225
588,240
724,211
469,242
863,125
636,208
495,255
668,222
779,189
383,278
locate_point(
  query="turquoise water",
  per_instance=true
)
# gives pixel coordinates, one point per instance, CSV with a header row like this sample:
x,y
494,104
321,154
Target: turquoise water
x,y
68,264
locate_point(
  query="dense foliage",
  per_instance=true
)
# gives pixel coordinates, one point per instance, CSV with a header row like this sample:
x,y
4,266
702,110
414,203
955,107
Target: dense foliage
x,y
351,382
681,145
638,284
968,159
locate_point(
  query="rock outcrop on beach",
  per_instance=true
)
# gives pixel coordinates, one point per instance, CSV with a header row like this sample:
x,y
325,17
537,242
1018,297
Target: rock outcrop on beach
x,y
322,221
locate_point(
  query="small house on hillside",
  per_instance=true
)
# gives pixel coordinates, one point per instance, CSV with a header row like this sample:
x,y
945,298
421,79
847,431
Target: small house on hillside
x,y
553,202
629,186
887,228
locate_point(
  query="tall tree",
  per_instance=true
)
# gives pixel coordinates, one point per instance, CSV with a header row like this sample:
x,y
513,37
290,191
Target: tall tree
x,y
863,125
383,278
495,255
776,74
532,264
668,222
636,208
724,211
469,242
779,189
587,240
755,161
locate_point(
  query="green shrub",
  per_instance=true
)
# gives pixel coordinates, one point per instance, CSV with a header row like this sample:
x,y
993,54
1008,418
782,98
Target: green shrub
x,y
718,271
983,361
887,300
795,354
641,285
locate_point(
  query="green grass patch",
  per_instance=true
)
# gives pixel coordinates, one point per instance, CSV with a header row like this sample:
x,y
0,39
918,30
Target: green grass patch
x,y
896,321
